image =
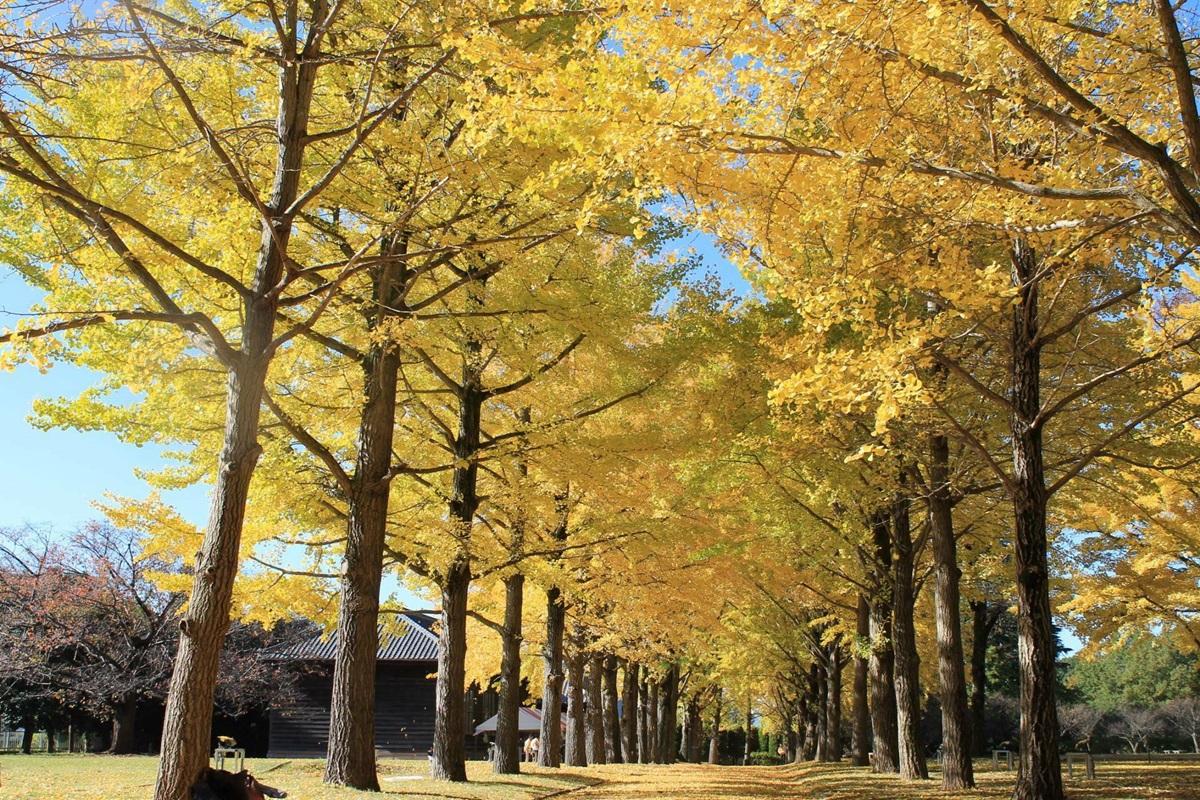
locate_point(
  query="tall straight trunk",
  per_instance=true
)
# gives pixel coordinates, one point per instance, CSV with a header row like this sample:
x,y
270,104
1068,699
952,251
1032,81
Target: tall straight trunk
x,y
1039,776
508,734
907,665
808,712
861,747
351,758
714,742
124,724
668,703
822,753
746,747
576,752
654,721
629,715
612,720
982,622
551,752
695,727
833,704
187,722
957,771
595,710
882,689
449,735
800,713
645,754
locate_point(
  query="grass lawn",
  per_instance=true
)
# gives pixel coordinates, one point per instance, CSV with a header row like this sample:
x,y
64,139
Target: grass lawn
x,y
80,777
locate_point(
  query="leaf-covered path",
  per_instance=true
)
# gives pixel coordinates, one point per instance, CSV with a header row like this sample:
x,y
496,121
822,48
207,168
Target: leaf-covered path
x,y
689,782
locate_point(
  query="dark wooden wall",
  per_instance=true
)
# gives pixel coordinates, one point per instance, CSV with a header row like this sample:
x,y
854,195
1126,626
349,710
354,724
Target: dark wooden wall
x,y
404,711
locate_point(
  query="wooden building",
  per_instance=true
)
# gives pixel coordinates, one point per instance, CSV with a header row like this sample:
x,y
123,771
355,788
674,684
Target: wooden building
x,y
404,694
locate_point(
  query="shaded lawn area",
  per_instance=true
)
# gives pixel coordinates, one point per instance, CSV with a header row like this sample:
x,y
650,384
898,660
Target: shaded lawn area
x,y
81,777
97,777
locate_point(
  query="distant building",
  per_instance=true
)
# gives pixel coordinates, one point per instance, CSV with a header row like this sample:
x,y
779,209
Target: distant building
x,y
405,686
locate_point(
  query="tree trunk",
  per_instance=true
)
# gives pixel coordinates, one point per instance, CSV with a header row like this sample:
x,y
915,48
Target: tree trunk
x,y
714,742
833,705
808,718
668,702
576,754
187,721
981,627
124,725
51,740
746,747
595,710
644,739
908,664
629,715
822,708
351,760
612,719
27,732
508,735
654,721
551,752
1039,776
862,713
449,751
695,726
957,771
885,738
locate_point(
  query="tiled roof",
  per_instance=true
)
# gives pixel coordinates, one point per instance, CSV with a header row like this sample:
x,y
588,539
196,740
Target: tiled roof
x,y
418,643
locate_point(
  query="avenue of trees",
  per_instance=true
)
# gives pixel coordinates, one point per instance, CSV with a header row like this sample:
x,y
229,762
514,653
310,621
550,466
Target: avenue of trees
x,y
404,286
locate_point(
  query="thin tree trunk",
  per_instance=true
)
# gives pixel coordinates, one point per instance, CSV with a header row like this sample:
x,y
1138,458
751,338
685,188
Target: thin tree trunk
x,y
746,747
645,756
695,726
1039,776
351,756
124,724
957,771
576,753
187,721
714,742
629,715
612,720
907,665
833,705
508,734
653,722
862,712
800,713
809,713
595,710
982,622
550,754
822,753
885,737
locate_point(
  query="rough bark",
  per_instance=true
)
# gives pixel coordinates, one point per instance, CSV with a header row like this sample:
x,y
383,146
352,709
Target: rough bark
x,y
957,771
668,703
645,756
907,664
27,736
629,715
124,725
861,747
822,695
595,710
508,735
1039,776
746,748
808,712
351,759
449,751
833,704
187,722
51,740
551,752
983,619
576,751
714,741
653,721
612,721
882,689
695,731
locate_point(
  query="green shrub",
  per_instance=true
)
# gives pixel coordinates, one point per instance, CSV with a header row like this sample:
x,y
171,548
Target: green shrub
x,y
763,758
